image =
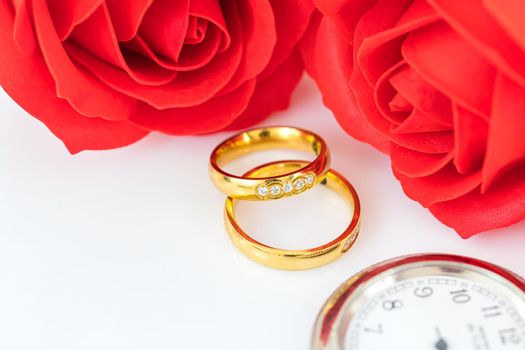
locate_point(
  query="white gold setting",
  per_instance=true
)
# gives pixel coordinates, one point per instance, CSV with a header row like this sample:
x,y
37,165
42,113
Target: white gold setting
x,y
293,185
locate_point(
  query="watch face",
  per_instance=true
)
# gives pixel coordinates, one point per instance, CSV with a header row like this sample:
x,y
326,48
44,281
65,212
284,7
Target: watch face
x,y
439,313
435,302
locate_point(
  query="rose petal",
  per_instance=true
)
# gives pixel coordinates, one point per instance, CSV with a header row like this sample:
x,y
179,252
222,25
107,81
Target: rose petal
x,y
447,62
344,14
127,16
164,27
378,39
271,94
72,84
96,36
207,117
506,138
379,51
445,185
188,89
291,22
502,205
66,14
308,44
384,92
194,58
166,34
427,142
23,33
400,104
416,164
509,14
418,122
27,80
259,37
9,8
422,95
470,139
334,68
477,27
196,32
215,12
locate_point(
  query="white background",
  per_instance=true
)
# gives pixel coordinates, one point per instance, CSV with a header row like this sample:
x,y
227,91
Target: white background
x,y
126,249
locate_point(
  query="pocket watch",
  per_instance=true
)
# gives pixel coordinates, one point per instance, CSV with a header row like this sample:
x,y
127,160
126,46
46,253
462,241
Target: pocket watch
x,y
427,301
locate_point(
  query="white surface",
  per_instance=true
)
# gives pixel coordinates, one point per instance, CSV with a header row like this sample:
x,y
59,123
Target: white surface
x,y
126,249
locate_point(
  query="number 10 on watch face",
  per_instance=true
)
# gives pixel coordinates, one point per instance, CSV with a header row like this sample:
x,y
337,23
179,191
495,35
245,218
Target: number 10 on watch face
x,y
437,313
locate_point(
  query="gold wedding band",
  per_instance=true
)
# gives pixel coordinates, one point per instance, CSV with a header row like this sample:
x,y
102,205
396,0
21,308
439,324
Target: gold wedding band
x,y
296,259
264,187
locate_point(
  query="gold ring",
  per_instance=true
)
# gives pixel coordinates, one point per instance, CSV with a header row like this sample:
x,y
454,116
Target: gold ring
x,y
269,187
296,259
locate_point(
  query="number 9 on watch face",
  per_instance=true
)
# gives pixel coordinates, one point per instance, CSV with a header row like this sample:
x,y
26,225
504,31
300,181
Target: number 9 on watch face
x,y
435,302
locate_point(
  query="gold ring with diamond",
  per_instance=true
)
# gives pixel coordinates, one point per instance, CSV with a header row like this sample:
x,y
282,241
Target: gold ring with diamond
x,y
296,259
269,187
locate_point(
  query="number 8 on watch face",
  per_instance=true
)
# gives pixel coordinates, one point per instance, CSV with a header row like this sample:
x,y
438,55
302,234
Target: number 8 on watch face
x,y
421,303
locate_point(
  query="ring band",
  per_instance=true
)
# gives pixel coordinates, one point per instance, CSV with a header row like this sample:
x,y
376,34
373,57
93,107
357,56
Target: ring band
x,y
296,259
278,185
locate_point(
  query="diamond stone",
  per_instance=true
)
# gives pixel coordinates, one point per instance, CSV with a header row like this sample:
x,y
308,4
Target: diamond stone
x,y
262,191
288,187
309,179
299,184
275,190
347,244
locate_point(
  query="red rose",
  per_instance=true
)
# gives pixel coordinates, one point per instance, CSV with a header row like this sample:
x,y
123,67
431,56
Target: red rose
x,y
102,74
440,86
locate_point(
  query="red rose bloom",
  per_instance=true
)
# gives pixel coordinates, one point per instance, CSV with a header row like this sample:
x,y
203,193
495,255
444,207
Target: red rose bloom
x,y
102,74
440,86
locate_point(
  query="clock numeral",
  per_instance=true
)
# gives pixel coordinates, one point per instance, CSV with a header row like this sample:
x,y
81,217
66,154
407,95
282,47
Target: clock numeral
x,y
390,305
460,296
491,311
509,336
376,330
424,292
